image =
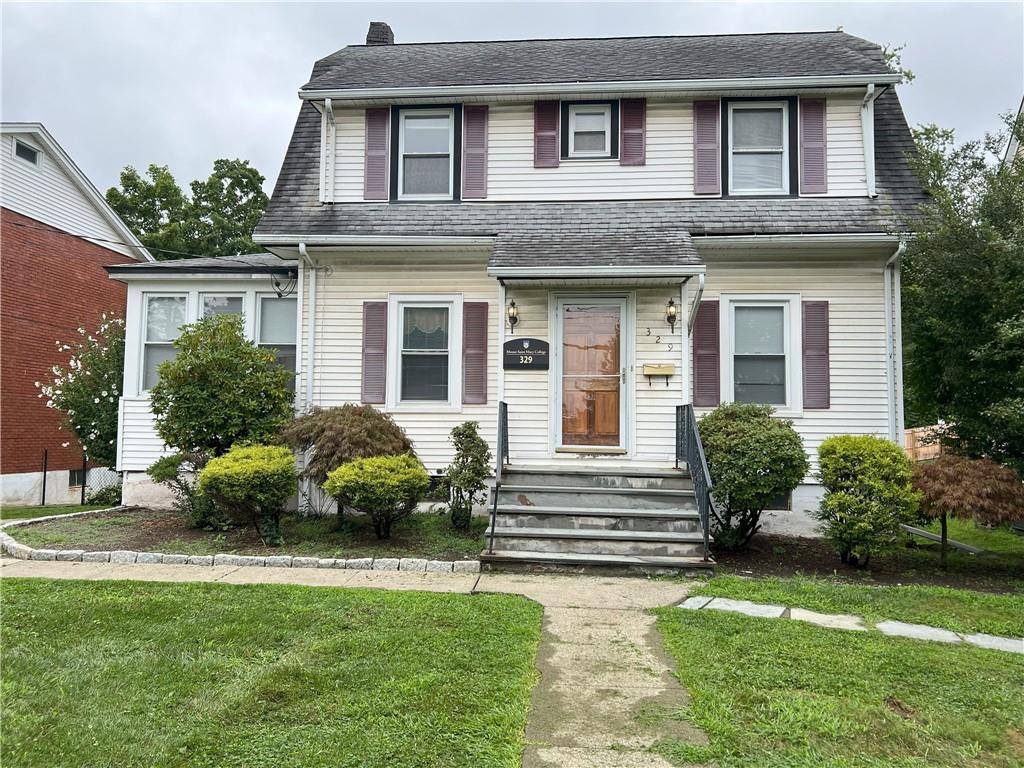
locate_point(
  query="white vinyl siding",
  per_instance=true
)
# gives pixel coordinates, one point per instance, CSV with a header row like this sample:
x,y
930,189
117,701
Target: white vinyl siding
x,y
44,192
845,148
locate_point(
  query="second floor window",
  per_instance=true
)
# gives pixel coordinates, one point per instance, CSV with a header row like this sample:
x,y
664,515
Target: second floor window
x,y
590,128
758,148
425,151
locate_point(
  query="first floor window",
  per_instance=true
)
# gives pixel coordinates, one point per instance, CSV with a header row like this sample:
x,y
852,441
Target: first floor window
x,y
277,330
758,148
590,127
76,478
221,305
425,153
760,348
425,334
164,317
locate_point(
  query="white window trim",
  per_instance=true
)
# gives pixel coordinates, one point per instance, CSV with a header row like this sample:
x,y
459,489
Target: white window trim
x,y
607,110
402,115
396,302
792,323
190,309
14,153
740,106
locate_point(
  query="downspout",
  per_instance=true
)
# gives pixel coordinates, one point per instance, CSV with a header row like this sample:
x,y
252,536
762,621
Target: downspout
x,y
894,342
867,124
310,324
696,305
329,140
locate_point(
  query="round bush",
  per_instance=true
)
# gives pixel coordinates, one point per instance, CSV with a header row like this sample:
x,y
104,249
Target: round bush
x,y
342,434
868,494
386,488
252,483
753,460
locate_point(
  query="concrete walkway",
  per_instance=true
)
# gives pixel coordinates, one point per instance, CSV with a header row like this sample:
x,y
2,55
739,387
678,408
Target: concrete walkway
x,y
606,692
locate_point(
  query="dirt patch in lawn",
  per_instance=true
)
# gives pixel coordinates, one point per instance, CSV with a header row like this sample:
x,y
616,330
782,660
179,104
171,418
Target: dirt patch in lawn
x,y
426,534
914,563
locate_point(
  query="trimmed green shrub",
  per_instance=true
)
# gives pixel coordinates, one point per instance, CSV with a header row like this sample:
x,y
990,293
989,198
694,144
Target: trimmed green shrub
x,y
338,435
219,390
179,472
109,496
467,476
252,483
385,488
753,460
868,494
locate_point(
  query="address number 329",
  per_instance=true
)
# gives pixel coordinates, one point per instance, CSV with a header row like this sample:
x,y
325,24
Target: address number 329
x,y
525,359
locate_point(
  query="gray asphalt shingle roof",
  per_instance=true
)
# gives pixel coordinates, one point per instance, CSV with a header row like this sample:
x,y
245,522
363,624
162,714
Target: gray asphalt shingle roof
x,y
598,60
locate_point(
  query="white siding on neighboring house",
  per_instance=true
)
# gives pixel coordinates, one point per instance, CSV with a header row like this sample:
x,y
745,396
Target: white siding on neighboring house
x,y
857,338
46,193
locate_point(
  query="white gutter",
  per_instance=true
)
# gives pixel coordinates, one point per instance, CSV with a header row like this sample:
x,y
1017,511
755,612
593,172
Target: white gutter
x,y
310,324
696,304
616,86
396,241
867,125
754,240
894,342
625,272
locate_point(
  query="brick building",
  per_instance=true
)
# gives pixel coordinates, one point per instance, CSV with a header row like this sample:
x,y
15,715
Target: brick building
x,y
56,235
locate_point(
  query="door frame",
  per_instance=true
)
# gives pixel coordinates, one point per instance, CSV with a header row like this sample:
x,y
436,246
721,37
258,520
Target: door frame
x,y
625,300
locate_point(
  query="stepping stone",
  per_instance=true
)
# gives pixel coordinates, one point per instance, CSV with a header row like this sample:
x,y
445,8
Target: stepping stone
x,y
695,603
917,632
747,608
829,620
997,643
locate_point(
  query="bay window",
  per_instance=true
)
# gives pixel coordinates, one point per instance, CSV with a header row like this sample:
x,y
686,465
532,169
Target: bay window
x,y
425,152
758,148
164,317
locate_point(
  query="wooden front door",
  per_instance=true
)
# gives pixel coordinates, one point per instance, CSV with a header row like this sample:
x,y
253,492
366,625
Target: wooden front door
x,y
592,372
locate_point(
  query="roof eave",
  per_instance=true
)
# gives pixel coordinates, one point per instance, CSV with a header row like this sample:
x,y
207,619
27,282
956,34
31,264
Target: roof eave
x,y
619,86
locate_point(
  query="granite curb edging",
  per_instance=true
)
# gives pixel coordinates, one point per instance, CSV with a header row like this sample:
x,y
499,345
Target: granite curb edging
x,y
19,551
849,622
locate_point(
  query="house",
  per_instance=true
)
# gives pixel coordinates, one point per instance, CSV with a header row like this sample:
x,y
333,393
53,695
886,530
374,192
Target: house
x,y
1012,150
56,234
578,243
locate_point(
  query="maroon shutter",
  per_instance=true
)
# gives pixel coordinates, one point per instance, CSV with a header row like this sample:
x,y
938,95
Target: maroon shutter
x,y
474,352
375,351
813,168
546,117
474,152
706,370
815,355
375,173
633,132
707,158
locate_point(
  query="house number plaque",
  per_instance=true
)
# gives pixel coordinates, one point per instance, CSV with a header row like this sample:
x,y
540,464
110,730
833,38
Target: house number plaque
x,y
525,355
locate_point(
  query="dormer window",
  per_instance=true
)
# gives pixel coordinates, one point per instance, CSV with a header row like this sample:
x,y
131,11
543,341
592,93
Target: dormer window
x,y
758,148
26,153
425,149
590,127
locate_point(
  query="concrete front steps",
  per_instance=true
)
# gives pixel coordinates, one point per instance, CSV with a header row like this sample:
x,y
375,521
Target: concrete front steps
x,y
609,519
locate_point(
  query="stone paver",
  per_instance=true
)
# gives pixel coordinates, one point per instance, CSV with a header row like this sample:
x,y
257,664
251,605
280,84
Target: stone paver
x,y
747,608
917,631
695,603
1008,644
829,620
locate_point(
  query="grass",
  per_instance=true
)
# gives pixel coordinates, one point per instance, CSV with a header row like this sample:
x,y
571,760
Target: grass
x,y
144,674
998,540
25,513
956,609
424,534
784,694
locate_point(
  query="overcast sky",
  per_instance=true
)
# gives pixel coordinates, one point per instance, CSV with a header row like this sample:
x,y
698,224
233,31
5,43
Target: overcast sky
x,y
183,84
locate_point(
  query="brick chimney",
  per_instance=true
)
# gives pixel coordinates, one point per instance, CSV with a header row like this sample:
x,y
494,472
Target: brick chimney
x,y
380,34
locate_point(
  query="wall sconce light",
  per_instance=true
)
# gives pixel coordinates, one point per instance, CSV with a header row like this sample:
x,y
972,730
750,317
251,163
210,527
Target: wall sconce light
x,y
671,314
513,315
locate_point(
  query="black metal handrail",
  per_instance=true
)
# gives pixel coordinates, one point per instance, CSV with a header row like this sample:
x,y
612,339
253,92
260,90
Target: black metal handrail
x,y
690,449
500,460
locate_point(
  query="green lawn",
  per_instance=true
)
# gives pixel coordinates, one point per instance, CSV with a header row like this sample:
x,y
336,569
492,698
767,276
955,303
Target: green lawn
x,y
957,609
145,674
420,535
998,540
784,694
24,513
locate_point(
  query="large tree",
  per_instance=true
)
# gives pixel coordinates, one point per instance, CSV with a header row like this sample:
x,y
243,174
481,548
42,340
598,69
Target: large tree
x,y
964,296
217,220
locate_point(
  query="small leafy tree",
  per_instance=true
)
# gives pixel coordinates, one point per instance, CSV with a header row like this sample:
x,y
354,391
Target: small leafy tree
x,y
956,486
385,488
467,475
252,483
336,436
87,389
753,459
219,390
868,495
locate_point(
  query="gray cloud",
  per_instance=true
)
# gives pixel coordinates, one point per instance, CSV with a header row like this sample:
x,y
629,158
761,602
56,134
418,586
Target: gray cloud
x,y
184,84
